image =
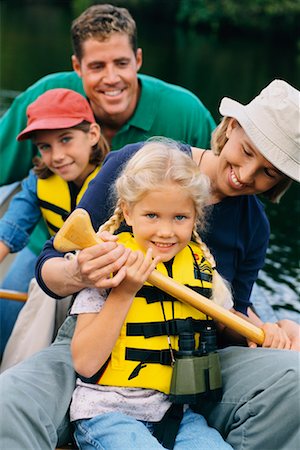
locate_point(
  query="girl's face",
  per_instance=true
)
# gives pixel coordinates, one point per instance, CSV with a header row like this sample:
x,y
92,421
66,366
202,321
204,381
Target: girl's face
x,y
242,169
162,220
67,152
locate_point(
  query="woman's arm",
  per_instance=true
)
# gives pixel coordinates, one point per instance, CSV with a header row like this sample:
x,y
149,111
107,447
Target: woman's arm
x,y
92,267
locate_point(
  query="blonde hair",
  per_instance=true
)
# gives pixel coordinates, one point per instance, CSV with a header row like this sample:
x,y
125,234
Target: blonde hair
x,y
158,162
219,139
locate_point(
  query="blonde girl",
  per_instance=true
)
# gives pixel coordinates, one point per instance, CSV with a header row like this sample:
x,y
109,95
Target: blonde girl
x,y
122,393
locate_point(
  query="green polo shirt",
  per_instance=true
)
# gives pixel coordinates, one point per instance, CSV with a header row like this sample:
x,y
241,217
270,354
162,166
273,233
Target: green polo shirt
x,y
163,109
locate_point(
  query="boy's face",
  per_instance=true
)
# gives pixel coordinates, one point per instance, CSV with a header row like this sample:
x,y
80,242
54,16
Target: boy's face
x,y
67,152
109,74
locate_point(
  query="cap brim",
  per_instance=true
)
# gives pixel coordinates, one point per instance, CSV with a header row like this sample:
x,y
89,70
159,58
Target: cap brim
x,y
48,124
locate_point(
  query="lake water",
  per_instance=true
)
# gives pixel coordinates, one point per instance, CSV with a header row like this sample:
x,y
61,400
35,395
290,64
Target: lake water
x,y
35,42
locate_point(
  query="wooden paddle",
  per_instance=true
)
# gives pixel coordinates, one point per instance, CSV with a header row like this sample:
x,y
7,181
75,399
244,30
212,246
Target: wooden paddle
x,y
13,295
77,233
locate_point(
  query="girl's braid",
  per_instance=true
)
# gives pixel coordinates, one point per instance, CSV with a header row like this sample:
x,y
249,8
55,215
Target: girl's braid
x,y
114,222
221,293
204,248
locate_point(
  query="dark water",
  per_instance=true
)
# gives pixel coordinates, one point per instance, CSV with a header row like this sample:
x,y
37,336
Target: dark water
x,y
35,41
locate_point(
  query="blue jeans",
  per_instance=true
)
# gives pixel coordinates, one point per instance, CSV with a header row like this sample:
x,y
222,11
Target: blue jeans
x,y
17,279
117,431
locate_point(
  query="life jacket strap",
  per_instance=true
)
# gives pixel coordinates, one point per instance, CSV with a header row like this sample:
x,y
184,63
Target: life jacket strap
x,y
173,326
153,294
149,356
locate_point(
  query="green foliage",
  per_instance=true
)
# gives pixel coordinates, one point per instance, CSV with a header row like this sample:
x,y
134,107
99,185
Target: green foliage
x,y
254,14
278,16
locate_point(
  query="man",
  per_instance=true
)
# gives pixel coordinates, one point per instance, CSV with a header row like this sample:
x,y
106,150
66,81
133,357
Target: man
x,y
129,108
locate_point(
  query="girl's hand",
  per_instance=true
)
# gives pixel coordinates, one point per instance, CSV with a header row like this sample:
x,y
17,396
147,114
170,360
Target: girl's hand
x,y
275,337
138,269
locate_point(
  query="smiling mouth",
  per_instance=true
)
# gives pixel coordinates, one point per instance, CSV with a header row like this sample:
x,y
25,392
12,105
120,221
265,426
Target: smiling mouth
x,y
235,181
163,245
114,93
62,167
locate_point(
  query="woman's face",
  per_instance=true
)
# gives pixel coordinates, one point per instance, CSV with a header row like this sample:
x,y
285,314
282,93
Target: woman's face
x,y
242,169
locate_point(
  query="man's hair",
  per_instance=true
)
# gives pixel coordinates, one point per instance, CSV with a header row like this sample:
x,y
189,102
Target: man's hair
x,y
100,22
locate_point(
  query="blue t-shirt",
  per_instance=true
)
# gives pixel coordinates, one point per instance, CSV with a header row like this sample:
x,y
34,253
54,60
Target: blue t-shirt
x,y
237,232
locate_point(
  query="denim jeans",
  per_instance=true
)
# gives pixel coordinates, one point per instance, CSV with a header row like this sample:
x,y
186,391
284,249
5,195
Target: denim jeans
x,y
117,431
38,408
259,408
17,279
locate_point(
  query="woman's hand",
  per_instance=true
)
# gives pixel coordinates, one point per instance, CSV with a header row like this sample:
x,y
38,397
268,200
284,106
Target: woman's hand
x,y
292,329
289,327
99,266
275,337
102,265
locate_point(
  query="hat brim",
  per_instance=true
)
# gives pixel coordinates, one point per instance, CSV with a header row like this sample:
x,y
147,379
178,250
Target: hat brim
x,y
260,137
48,124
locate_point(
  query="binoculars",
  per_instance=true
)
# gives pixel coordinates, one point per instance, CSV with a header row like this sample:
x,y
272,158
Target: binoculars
x,y
196,372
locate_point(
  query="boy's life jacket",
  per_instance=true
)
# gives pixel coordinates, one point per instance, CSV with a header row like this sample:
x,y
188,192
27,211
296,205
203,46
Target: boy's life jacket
x,y
141,356
57,199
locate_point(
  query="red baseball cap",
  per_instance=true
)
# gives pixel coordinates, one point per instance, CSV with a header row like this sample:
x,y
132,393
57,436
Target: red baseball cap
x,y
56,109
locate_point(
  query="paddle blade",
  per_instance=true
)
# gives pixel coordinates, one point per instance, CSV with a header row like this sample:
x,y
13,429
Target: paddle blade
x,y
76,233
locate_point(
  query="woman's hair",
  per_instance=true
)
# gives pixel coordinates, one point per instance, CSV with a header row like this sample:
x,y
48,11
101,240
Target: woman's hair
x,y
158,162
218,141
98,153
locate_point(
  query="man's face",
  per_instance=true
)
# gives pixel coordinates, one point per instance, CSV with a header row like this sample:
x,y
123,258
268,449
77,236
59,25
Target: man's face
x,y
109,73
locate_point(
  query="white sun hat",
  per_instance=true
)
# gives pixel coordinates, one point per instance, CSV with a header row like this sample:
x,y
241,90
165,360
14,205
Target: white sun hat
x,y
272,122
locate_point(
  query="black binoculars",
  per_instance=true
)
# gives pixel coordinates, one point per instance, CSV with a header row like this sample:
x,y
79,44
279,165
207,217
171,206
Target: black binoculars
x,y
196,372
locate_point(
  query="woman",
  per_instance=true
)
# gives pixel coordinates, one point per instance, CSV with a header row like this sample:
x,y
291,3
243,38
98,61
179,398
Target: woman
x,y
260,385
236,169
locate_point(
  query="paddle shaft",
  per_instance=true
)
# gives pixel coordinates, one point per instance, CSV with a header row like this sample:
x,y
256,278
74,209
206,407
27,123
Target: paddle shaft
x,y
77,233
13,295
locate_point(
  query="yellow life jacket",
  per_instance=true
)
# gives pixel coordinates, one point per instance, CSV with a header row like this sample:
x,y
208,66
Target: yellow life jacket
x,y
141,356
56,201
